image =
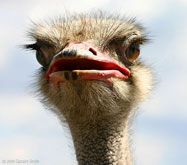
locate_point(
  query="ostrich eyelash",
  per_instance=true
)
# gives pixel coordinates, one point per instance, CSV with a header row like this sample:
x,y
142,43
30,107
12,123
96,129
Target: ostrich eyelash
x,y
32,46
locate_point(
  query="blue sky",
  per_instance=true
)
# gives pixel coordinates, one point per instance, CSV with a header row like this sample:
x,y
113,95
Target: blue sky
x,y
28,131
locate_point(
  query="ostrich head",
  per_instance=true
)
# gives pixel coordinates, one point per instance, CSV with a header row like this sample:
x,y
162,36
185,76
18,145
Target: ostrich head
x,y
90,68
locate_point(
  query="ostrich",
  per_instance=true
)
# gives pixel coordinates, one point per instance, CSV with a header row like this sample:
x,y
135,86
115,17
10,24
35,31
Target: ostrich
x,y
92,79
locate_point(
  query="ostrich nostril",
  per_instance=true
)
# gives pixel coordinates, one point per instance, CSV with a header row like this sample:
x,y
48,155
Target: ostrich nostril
x,y
93,51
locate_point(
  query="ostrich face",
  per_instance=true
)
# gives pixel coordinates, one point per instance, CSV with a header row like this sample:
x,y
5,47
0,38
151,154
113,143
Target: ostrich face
x,y
90,66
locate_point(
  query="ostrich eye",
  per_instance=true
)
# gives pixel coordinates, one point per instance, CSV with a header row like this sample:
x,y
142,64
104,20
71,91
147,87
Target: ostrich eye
x,y
132,52
41,58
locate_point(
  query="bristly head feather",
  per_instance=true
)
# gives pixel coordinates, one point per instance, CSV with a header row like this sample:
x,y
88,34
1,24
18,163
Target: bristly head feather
x,y
101,27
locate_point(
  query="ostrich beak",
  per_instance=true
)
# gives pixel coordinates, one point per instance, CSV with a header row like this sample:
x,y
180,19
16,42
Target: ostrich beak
x,y
81,61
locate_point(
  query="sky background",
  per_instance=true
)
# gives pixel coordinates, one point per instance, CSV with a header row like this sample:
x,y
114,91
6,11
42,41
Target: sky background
x,y
28,131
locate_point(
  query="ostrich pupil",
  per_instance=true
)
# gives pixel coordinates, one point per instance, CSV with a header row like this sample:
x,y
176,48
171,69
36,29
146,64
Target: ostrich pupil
x,y
132,52
41,58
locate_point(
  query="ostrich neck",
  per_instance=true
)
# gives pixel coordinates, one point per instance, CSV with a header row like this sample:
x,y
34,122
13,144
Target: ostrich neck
x,y
103,142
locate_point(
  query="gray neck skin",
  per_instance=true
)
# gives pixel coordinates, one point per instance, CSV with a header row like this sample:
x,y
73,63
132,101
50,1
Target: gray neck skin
x,y
104,142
